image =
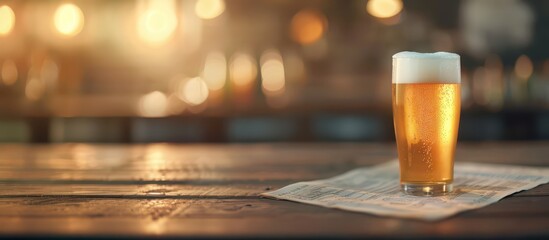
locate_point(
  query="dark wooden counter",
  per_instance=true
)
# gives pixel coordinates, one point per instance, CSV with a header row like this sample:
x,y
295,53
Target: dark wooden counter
x,y
165,190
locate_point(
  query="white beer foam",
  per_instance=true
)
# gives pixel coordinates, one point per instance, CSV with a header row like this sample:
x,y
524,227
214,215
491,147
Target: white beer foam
x,y
413,67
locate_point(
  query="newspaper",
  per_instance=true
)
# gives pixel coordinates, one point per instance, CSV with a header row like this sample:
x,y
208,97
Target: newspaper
x,y
376,190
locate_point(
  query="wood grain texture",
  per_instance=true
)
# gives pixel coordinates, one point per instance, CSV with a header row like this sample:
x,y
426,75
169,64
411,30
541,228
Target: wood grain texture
x,y
253,217
162,190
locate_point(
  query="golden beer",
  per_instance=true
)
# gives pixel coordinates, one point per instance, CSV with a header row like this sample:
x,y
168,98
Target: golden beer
x,y
426,111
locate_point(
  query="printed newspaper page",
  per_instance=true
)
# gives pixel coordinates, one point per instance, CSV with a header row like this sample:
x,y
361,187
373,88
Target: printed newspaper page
x,y
376,190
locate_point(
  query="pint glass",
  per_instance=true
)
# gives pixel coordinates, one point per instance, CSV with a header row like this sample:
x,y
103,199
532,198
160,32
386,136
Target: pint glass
x,y
426,109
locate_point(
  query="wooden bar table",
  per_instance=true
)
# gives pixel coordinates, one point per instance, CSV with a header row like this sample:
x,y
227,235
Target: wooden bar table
x,y
163,190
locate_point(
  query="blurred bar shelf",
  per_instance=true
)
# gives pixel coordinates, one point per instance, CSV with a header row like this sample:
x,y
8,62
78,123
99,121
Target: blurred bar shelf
x,y
112,119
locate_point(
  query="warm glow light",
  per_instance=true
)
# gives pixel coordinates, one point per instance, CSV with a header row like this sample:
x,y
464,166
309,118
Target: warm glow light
x,y
215,70
68,19
272,72
193,91
35,88
524,67
208,9
243,69
384,8
49,72
156,21
7,20
307,26
9,72
155,157
153,104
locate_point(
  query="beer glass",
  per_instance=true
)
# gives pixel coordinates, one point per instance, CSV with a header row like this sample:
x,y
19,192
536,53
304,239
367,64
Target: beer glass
x,y
426,109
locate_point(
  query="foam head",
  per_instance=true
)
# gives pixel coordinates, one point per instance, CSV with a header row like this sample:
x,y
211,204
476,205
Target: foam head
x,y
413,67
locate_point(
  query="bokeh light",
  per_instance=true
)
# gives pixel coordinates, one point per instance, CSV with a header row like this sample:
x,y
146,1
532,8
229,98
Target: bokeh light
x,y
153,104
7,20
68,19
209,9
384,8
193,91
9,72
156,21
215,70
49,72
242,69
308,26
524,67
35,88
272,72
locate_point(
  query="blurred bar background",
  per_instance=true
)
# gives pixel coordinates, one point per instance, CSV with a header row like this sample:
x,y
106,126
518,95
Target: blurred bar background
x,y
260,71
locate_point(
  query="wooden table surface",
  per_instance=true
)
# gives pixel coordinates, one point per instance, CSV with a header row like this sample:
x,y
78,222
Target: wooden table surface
x,y
213,190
